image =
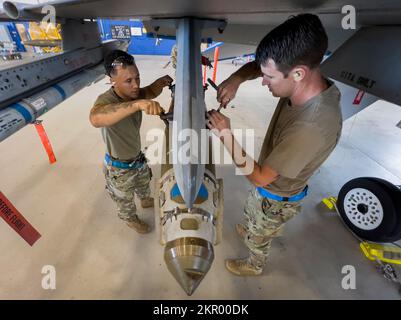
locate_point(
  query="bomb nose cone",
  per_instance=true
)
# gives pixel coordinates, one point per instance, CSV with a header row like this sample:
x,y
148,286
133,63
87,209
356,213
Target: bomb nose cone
x,y
188,260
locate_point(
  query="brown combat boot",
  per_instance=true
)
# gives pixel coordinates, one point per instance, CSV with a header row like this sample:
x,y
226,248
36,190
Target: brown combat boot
x,y
139,226
243,267
147,202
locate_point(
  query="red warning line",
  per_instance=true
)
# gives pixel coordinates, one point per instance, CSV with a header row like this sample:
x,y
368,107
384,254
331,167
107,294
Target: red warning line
x,y
16,221
45,141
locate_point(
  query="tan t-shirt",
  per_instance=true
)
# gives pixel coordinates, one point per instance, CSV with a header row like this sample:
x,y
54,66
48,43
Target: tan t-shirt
x,y
300,139
123,140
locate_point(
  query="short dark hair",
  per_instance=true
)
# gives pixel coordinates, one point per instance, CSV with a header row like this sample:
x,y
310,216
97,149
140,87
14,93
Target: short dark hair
x,y
300,40
117,57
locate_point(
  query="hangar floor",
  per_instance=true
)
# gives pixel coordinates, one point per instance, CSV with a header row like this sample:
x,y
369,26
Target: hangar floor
x,y
96,256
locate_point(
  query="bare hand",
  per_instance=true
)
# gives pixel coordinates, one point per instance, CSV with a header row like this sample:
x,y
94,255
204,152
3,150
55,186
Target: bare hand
x,y
227,90
150,107
164,81
218,123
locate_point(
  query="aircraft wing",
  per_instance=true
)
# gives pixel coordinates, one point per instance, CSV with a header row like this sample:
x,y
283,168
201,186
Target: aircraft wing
x,y
246,24
248,21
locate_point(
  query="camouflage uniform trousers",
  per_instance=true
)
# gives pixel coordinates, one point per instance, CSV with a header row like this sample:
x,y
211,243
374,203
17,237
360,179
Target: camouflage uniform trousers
x,y
264,220
123,184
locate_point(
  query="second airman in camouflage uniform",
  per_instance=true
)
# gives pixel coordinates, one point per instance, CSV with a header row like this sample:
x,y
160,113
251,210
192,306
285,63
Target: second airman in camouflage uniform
x,y
118,112
303,131
264,220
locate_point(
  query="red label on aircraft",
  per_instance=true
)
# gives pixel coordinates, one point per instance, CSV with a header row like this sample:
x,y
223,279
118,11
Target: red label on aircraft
x,y
16,221
358,97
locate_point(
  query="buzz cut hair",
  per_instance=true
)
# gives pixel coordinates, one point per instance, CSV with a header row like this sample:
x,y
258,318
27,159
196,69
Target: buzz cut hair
x,y
117,58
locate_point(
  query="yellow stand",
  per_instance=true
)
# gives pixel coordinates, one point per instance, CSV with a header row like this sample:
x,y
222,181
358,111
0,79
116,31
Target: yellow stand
x,y
385,253
330,202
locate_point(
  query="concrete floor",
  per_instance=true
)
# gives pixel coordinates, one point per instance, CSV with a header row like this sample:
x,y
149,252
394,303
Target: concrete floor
x,y
96,256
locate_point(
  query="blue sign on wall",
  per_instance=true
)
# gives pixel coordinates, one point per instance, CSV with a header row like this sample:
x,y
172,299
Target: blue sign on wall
x,y
14,35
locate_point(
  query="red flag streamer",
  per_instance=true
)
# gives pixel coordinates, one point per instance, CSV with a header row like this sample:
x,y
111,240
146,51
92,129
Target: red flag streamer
x,y
204,75
16,221
45,141
216,58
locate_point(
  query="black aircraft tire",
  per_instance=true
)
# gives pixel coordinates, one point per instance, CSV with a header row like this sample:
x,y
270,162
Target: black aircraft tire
x,y
370,208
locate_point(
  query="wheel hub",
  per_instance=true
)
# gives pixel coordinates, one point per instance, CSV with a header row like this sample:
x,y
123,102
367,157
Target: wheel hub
x,y
363,209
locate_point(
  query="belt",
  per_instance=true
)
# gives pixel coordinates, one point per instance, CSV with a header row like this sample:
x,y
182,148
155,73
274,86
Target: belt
x,y
136,164
266,194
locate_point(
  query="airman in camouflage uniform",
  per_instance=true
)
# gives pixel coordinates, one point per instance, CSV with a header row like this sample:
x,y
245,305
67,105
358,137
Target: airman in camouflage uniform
x,y
118,112
264,220
303,131
123,184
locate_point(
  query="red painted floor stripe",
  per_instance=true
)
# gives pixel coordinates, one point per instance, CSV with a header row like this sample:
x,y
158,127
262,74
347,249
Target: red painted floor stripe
x,y
16,221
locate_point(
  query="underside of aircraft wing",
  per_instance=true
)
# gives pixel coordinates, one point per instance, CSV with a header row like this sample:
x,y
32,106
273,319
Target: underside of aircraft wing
x,y
253,12
248,21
